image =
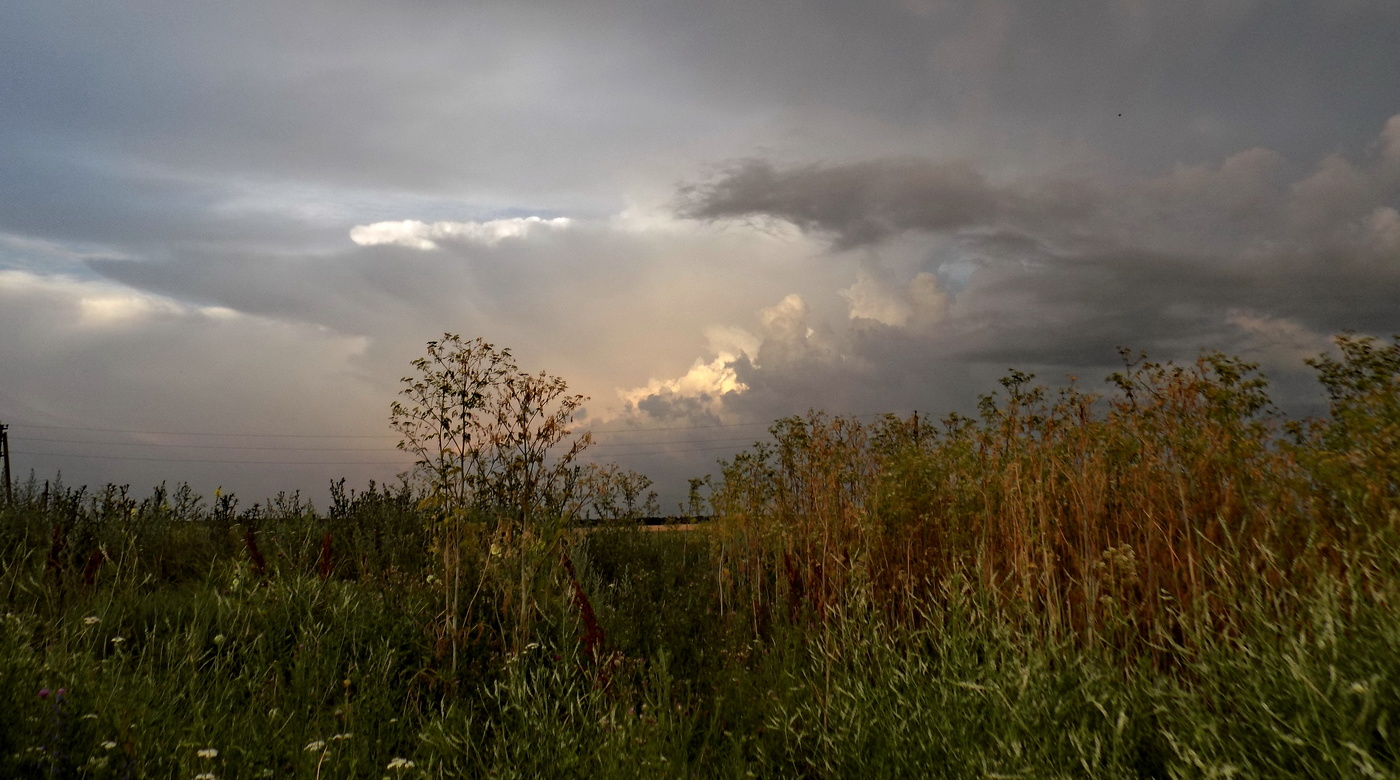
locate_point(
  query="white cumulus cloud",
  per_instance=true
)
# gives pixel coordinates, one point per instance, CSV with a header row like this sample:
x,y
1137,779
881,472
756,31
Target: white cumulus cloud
x,y
427,235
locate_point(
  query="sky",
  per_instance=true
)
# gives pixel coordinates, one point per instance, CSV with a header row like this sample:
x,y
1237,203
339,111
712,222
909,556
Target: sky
x,y
226,229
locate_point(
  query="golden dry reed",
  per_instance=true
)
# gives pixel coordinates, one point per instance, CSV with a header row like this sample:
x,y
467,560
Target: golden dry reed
x,y
1129,517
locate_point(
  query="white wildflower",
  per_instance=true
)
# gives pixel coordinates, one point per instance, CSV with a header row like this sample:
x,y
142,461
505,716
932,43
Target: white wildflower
x,y
116,640
91,620
312,747
108,745
401,763
339,737
208,753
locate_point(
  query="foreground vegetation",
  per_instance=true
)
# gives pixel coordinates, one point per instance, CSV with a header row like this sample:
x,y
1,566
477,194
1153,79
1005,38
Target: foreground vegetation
x,y
1167,581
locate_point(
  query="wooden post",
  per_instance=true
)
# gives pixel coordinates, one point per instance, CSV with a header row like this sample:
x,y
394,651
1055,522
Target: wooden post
x,y
5,456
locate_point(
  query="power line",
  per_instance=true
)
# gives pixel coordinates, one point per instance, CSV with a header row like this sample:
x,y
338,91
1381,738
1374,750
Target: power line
x,y
208,433
586,454
727,444
203,460
337,463
676,428
609,431
344,449
209,446
351,449
718,425
668,441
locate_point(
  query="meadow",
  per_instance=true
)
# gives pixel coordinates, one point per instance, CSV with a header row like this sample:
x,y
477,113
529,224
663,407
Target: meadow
x,y
1165,579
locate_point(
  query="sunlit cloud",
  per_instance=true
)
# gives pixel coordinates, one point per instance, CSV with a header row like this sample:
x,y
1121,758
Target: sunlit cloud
x,y
754,227
431,235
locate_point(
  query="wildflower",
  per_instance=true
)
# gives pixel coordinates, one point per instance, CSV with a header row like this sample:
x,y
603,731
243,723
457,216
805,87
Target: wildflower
x,y
206,776
401,763
43,693
219,639
61,692
116,640
312,747
208,753
91,620
108,745
339,737
89,716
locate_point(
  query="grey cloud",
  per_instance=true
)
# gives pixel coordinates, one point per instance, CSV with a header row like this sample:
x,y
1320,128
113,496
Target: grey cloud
x,y
1073,174
496,99
863,203
114,358
1231,255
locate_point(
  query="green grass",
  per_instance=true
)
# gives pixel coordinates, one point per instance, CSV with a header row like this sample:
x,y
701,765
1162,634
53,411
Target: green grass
x,y
1167,582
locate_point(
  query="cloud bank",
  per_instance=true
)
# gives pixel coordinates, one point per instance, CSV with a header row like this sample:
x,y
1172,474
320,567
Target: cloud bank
x,y
250,217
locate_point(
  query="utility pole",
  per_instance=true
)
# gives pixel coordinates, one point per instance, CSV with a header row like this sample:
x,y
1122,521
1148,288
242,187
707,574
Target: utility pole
x,y
5,456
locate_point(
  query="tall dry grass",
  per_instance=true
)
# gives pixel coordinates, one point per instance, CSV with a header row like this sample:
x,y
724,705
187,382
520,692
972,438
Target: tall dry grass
x,y
1127,516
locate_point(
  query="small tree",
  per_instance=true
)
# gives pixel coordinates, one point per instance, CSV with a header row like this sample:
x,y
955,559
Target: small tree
x,y
493,448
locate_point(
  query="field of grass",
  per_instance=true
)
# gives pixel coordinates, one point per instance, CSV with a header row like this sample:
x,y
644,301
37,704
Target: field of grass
x,y
1164,581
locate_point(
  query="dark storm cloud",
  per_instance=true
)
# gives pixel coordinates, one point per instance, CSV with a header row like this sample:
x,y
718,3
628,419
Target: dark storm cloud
x,y
863,203
1002,182
502,98
1235,256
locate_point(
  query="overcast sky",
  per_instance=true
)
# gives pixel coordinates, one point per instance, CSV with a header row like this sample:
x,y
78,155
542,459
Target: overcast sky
x,y
248,218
